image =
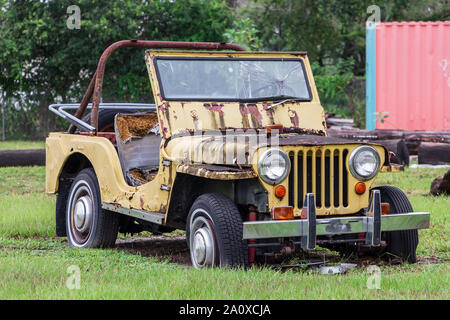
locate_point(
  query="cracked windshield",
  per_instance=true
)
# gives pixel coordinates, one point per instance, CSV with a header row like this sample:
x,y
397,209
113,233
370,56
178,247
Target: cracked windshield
x,y
232,79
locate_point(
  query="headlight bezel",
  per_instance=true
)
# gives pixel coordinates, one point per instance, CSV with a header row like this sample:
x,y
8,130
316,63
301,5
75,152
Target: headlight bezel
x,y
351,164
267,153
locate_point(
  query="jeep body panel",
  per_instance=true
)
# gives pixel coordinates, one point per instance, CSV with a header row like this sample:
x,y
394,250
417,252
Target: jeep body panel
x,y
105,161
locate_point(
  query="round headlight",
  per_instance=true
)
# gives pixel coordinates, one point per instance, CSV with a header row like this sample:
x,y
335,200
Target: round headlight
x,y
273,166
364,162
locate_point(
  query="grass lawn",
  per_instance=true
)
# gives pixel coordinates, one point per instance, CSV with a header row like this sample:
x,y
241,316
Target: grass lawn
x,y
34,263
19,144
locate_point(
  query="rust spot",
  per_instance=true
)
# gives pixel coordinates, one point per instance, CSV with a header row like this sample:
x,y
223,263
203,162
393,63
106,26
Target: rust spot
x,y
255,115
136,125
214,107
142,202
163,129
294,117
252,110
217,172
164,106
269,112
162,208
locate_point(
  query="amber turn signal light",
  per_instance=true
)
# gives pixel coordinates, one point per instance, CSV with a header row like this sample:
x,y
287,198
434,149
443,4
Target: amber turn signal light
x,y
385,208
280,191
360,188
282,213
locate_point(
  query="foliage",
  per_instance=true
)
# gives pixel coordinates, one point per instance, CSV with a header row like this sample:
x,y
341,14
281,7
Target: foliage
x,y
333,81
43,61
332,30
244,33
49,62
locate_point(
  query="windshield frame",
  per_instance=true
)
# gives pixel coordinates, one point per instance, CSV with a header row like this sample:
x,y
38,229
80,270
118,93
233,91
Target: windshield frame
x,y
262,99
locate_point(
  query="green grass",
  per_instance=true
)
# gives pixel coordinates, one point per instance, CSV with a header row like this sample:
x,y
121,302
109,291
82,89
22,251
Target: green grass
x,y
26,210
42,272
33,262
19,144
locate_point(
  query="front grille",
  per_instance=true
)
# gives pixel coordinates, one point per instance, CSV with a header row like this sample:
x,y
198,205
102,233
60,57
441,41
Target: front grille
x,y
319,171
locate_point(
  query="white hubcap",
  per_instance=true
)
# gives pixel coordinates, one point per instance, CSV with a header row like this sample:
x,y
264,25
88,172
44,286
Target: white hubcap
x,y
83,213
199,248
202,243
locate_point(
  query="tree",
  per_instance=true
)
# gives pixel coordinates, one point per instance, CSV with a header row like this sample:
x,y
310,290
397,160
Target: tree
x,y
44,61
332,30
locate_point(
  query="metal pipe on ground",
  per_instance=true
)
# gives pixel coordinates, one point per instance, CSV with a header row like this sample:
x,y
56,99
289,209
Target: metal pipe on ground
x,y
22,158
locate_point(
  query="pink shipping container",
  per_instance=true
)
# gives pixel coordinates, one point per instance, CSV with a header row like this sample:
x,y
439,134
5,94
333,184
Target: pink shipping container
x,y
412,76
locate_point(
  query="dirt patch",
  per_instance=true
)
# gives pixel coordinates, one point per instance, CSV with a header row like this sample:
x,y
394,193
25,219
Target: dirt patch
x,y
175,250
164,248
137,125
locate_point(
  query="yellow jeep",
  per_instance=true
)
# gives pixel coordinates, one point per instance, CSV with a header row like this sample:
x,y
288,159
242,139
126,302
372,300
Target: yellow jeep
x,y
234,150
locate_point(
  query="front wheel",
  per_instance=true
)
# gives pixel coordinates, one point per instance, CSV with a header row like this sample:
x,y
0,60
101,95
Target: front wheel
x,y
87,224
214,233
403,243
400,244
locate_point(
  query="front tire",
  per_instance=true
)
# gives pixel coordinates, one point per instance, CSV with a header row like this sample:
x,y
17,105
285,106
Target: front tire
x,y
400,244
403,243
214,233
87,224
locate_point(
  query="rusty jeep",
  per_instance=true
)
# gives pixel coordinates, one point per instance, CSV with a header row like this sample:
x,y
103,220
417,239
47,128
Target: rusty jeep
x,y
234,151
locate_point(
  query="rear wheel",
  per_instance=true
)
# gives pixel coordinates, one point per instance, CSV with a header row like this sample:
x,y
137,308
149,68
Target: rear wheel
x,y
87,224
214,233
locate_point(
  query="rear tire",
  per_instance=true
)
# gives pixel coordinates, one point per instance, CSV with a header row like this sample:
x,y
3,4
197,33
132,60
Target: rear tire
x,y
87,224
214,233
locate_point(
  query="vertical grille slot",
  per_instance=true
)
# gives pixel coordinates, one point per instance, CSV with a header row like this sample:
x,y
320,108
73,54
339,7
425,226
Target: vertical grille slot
x,y
336,178
291,185
309,173
318,178
345,178
300,192
326,178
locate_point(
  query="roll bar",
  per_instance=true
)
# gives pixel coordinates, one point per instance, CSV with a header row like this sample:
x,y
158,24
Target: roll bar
x,y
96,84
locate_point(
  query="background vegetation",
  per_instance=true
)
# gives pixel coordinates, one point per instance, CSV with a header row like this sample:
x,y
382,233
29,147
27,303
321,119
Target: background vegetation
x,y
42,61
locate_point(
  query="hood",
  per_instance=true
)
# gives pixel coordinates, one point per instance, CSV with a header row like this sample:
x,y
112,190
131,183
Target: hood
x,y
238,149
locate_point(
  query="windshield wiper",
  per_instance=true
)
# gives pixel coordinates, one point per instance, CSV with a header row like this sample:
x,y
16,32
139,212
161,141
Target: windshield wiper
x,y
283,99
277,99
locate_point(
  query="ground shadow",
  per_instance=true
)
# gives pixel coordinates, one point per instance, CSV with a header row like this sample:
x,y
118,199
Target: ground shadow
x,y
175,250
164,248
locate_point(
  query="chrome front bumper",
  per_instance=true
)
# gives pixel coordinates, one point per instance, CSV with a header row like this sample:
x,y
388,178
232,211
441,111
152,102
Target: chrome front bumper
x,y
372,224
